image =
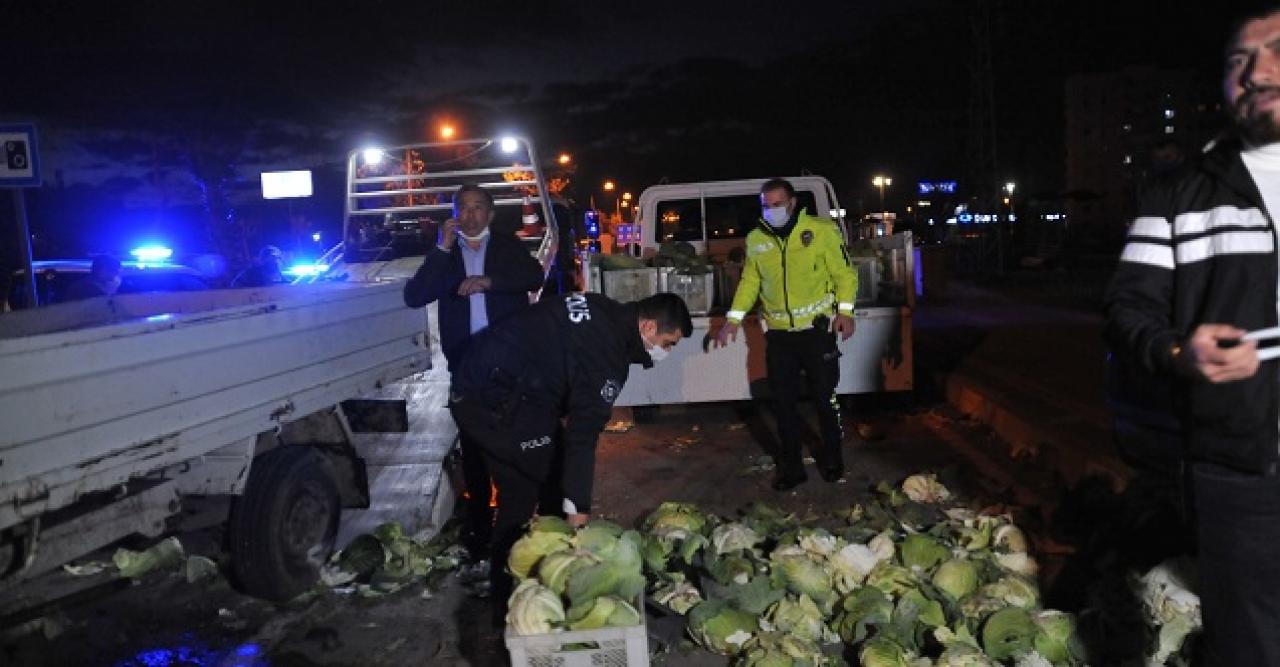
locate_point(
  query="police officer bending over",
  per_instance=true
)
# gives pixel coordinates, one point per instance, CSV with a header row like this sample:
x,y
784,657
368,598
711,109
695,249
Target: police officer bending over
x,y
566,357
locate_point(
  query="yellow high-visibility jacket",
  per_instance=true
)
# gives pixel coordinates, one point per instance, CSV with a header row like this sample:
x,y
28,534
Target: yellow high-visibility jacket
x,y
796,278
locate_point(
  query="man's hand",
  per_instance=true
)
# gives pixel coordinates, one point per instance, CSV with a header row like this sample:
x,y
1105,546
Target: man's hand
x,y
474,285
1203,357
578,520
843,325
728,331
448,234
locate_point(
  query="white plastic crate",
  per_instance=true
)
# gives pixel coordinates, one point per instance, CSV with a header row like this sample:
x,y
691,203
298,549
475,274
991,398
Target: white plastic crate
x,y
607,647
698,291
629,284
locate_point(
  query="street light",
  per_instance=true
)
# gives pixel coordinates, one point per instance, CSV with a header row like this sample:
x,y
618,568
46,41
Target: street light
x,y
609,186
564,158
882,182
447,131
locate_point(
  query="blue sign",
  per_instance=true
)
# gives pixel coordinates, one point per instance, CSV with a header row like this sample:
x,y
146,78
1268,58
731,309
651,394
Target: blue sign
x,y
931,187
20,167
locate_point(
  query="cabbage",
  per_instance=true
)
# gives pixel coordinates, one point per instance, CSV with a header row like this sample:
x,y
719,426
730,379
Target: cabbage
x,y
362,557
754,597
890,578
920,552
961,655
817,542
925,489
1014,590
550,524
766,519
720,628
801,574
881,652
604,611
678,597
851,565
1169,604
732,569
977,607
1018,563
533,609
913,603
1056,637
882,546
530,548
1008,633
778,649
865,607
956,578
800,617
732,537
556,568
1009,538
670,517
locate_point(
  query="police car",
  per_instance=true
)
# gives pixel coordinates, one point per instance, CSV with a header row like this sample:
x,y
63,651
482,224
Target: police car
x,y
54,277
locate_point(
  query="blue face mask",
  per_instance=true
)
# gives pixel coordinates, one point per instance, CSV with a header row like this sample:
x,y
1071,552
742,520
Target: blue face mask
x,y
776,216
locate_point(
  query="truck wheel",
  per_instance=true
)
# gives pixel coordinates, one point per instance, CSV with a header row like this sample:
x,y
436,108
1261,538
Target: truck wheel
x,y
282,529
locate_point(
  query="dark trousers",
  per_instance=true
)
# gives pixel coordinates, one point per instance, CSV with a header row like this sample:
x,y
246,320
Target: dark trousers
x,y
796,359
478,515
520,447
1238,524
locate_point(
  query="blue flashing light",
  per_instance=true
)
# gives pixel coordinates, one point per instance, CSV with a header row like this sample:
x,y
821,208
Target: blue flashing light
x,y
306,269
592,222
152,253
248,650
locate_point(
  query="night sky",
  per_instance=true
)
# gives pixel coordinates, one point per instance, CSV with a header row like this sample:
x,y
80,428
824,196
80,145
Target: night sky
x,y
635,91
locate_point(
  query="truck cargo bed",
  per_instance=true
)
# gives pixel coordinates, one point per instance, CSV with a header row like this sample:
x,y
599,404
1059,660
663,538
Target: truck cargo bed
x,y
96,392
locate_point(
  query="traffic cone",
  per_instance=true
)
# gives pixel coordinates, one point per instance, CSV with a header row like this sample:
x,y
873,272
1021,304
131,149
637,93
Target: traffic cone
x,y
532,224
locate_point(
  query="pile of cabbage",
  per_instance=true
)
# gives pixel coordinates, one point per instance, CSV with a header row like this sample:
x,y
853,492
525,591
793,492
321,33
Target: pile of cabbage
x,y
906,579
568,579
386,560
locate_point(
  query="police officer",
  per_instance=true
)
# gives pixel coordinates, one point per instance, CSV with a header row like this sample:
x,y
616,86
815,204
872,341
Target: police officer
x,y
798,268
565,357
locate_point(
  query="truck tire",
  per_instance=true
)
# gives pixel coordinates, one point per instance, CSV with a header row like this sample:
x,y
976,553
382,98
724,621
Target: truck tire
x,y
282,529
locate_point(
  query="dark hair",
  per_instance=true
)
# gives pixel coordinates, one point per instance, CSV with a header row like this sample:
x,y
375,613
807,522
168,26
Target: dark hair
x,y
1256,11
104,265
669,311
775,183
471,187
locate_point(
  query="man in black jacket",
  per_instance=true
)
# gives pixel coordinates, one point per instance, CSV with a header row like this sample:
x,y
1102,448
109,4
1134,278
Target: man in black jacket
x,y
477,282
566,357
1198,273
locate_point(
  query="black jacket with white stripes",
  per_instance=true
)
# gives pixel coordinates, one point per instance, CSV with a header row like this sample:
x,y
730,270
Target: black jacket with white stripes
x,y
1202,250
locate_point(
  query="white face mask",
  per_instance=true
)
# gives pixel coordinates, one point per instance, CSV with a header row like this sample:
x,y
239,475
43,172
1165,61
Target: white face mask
x,y
474,239
658,353
776,216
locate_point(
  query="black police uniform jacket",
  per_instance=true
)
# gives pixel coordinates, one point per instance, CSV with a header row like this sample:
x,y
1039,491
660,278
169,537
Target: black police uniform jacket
x,y
568,355
1202,250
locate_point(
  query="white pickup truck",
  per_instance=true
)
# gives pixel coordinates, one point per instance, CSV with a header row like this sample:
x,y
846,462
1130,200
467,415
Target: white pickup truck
x,y
714,217
318,407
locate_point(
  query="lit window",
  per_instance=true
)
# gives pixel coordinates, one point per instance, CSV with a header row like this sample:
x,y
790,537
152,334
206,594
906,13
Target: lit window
x,y
1128,159
1127,127
1168,113
1168,129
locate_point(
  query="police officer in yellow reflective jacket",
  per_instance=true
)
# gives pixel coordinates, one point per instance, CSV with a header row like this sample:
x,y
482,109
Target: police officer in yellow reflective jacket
x,y
798,268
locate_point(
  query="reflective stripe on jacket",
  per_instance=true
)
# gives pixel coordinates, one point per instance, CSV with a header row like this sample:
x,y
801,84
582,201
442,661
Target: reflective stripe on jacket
x,y
796,278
